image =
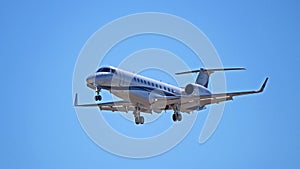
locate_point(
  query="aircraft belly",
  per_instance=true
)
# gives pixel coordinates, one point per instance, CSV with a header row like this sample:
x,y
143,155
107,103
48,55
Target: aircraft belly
x,y
133,96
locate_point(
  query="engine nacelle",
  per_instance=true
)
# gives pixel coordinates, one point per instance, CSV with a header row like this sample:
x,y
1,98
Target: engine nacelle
x,y
196,89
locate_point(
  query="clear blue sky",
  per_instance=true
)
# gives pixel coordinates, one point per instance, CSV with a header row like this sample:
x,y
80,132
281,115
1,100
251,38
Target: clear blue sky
x,y
40,42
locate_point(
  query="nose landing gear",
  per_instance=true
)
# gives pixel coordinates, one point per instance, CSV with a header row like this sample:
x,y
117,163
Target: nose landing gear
x,y
98,97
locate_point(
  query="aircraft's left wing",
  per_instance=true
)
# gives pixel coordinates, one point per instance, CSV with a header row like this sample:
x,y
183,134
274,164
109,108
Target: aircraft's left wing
x,y
209,99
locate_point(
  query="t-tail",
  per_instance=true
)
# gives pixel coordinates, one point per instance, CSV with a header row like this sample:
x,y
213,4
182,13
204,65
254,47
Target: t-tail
x,y
203,74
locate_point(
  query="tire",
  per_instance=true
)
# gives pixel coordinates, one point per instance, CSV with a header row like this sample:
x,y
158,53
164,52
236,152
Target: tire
x,y
142,120
179,117
174,117
137,120
98,98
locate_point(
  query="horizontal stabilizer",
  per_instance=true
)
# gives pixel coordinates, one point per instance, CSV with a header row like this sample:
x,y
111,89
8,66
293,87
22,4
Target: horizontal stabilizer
x,y
209,71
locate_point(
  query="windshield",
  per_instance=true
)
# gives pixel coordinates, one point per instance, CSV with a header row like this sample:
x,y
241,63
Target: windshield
x,y
106,69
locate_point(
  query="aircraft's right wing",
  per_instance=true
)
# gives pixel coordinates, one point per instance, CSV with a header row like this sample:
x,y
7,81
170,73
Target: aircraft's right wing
x,y
209,99
216,98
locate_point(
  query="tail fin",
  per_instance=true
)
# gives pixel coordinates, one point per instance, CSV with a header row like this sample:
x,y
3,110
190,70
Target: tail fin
x,y
203,74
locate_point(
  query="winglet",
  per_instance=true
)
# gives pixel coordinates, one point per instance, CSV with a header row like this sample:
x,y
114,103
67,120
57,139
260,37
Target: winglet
x,y
83,105
263,85
76,100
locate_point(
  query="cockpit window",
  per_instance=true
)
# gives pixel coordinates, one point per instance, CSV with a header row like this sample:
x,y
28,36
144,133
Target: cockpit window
x,y
106,69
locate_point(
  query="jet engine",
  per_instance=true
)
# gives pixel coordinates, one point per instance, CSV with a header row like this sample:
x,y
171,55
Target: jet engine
x,y
195,89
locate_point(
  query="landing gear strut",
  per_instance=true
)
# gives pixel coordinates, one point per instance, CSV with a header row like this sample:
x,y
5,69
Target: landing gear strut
x,y
137,117
98,96
176,116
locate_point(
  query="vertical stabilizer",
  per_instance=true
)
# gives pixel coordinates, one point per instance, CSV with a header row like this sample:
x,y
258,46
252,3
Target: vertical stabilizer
x,y
203,74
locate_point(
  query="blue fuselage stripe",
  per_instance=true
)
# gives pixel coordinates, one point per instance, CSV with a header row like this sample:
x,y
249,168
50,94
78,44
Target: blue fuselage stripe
x,y
139,88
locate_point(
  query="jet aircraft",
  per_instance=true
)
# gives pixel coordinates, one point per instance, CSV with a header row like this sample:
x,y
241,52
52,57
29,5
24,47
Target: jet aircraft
x,y
141,94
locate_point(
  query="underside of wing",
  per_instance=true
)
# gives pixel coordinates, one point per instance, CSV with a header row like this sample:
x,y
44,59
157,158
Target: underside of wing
x,y
120,106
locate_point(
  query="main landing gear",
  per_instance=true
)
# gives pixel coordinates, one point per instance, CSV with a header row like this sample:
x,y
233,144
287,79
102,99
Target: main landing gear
x,y
176,116
137,117
98,97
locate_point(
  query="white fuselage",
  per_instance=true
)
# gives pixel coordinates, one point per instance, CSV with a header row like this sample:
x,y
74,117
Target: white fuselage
x,y
137,89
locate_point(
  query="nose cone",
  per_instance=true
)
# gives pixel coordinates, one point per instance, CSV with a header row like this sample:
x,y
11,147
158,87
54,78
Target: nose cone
x,y
90,79
99,79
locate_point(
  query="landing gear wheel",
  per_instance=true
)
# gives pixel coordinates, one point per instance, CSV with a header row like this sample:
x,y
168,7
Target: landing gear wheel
x,y
179,117
142,120
137,120
174,117
98,98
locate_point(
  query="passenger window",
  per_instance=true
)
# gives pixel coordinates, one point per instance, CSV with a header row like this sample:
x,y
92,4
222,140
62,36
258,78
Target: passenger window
x,y
165,88
159,86
156,85
153,84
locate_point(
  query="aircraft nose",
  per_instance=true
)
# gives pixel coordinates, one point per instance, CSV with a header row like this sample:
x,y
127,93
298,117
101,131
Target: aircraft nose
x,y
90,79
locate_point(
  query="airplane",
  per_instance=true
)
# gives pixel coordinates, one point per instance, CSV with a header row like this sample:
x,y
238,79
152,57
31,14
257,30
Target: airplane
x,y
141,94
